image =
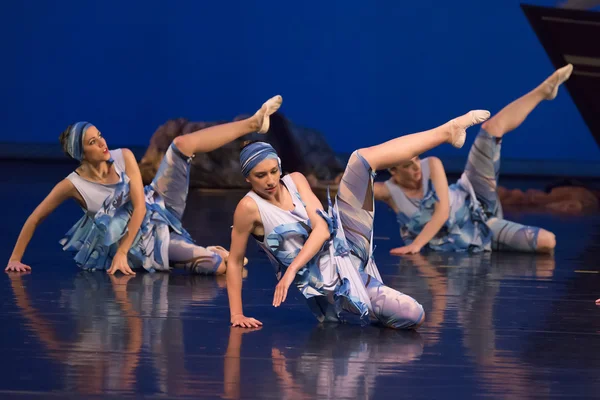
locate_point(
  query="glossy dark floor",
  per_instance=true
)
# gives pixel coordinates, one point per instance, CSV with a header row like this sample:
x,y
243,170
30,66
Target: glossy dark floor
x,y
505,325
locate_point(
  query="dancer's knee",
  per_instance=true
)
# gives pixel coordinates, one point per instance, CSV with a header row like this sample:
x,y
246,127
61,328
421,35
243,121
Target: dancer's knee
x,y
396,310
222,268
356,186
493,127
361,155
184,145
411,321
546,241
418,324
365,155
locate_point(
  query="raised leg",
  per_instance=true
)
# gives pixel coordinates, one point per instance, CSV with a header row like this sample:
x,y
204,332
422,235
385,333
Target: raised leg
x,y
355,201
213,137
401,149
483,170
513,115
173,176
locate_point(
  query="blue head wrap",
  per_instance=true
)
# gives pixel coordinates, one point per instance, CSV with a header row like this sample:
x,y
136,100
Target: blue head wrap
x,y
254,153
75,139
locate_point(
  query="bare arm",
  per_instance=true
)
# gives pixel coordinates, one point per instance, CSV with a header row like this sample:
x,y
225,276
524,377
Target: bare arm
x,y
318,236
382,193
244,220
442,207
136,190
320,230
440,213
61,192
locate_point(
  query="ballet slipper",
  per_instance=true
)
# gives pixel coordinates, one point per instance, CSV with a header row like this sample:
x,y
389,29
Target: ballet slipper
x,y
459,125
267,109
559,77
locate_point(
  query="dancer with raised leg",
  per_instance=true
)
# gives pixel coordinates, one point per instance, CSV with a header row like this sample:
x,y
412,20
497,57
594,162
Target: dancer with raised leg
x,y
125,225
467,215
327,256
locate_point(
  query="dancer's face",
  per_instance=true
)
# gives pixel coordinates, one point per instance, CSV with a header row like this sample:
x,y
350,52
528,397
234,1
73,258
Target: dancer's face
x,y
94,146
408,172
264,178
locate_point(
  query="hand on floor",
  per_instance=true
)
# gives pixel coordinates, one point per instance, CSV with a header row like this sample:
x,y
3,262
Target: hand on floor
x,y
119,263
245,322
410,249
17,266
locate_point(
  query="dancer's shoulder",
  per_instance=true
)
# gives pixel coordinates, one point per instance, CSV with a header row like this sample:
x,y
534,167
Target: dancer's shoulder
x,y
299,180
246,214
435,164
247,206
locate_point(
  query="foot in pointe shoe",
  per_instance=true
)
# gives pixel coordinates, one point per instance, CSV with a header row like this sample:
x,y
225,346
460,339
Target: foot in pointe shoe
x,y
458,126
550,86
262,116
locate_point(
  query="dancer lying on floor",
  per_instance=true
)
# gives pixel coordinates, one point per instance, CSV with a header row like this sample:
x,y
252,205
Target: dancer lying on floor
x,y
328,256
467,215
125,225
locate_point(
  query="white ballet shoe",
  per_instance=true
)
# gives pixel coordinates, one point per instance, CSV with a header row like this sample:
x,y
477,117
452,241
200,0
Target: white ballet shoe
x,y
459,126
268,108
559,77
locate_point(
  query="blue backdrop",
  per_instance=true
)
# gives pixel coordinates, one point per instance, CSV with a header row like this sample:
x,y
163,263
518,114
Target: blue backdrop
x,y
361,72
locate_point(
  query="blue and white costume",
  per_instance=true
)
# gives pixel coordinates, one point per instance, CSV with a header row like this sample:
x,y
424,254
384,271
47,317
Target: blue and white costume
x,y
475,220
161,241
342,277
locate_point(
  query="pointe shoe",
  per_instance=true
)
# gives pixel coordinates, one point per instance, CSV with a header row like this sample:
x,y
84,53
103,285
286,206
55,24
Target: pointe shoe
x,y
559,77
459,126
267,109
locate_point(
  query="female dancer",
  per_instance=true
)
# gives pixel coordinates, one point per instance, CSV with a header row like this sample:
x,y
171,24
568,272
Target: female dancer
x,y
327,256
466,216
126,225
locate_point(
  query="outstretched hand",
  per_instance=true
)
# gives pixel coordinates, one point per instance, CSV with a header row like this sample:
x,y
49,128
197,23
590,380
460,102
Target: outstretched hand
x,y
282,288
17,266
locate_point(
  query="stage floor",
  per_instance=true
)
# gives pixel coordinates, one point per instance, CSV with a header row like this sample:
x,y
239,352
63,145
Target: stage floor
x,y
499,325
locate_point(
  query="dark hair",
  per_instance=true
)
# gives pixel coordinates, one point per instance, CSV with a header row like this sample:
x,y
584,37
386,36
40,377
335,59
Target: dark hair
x,y
64,140
247,143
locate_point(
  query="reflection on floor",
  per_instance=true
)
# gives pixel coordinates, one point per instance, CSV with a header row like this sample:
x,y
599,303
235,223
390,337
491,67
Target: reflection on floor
x,y
500,325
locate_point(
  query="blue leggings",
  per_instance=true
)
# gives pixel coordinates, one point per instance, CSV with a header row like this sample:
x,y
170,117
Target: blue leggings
x,y
172,183
483,169
355,202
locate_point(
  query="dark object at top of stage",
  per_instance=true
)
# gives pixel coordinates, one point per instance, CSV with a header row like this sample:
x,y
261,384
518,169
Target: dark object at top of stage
x,y
573,36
